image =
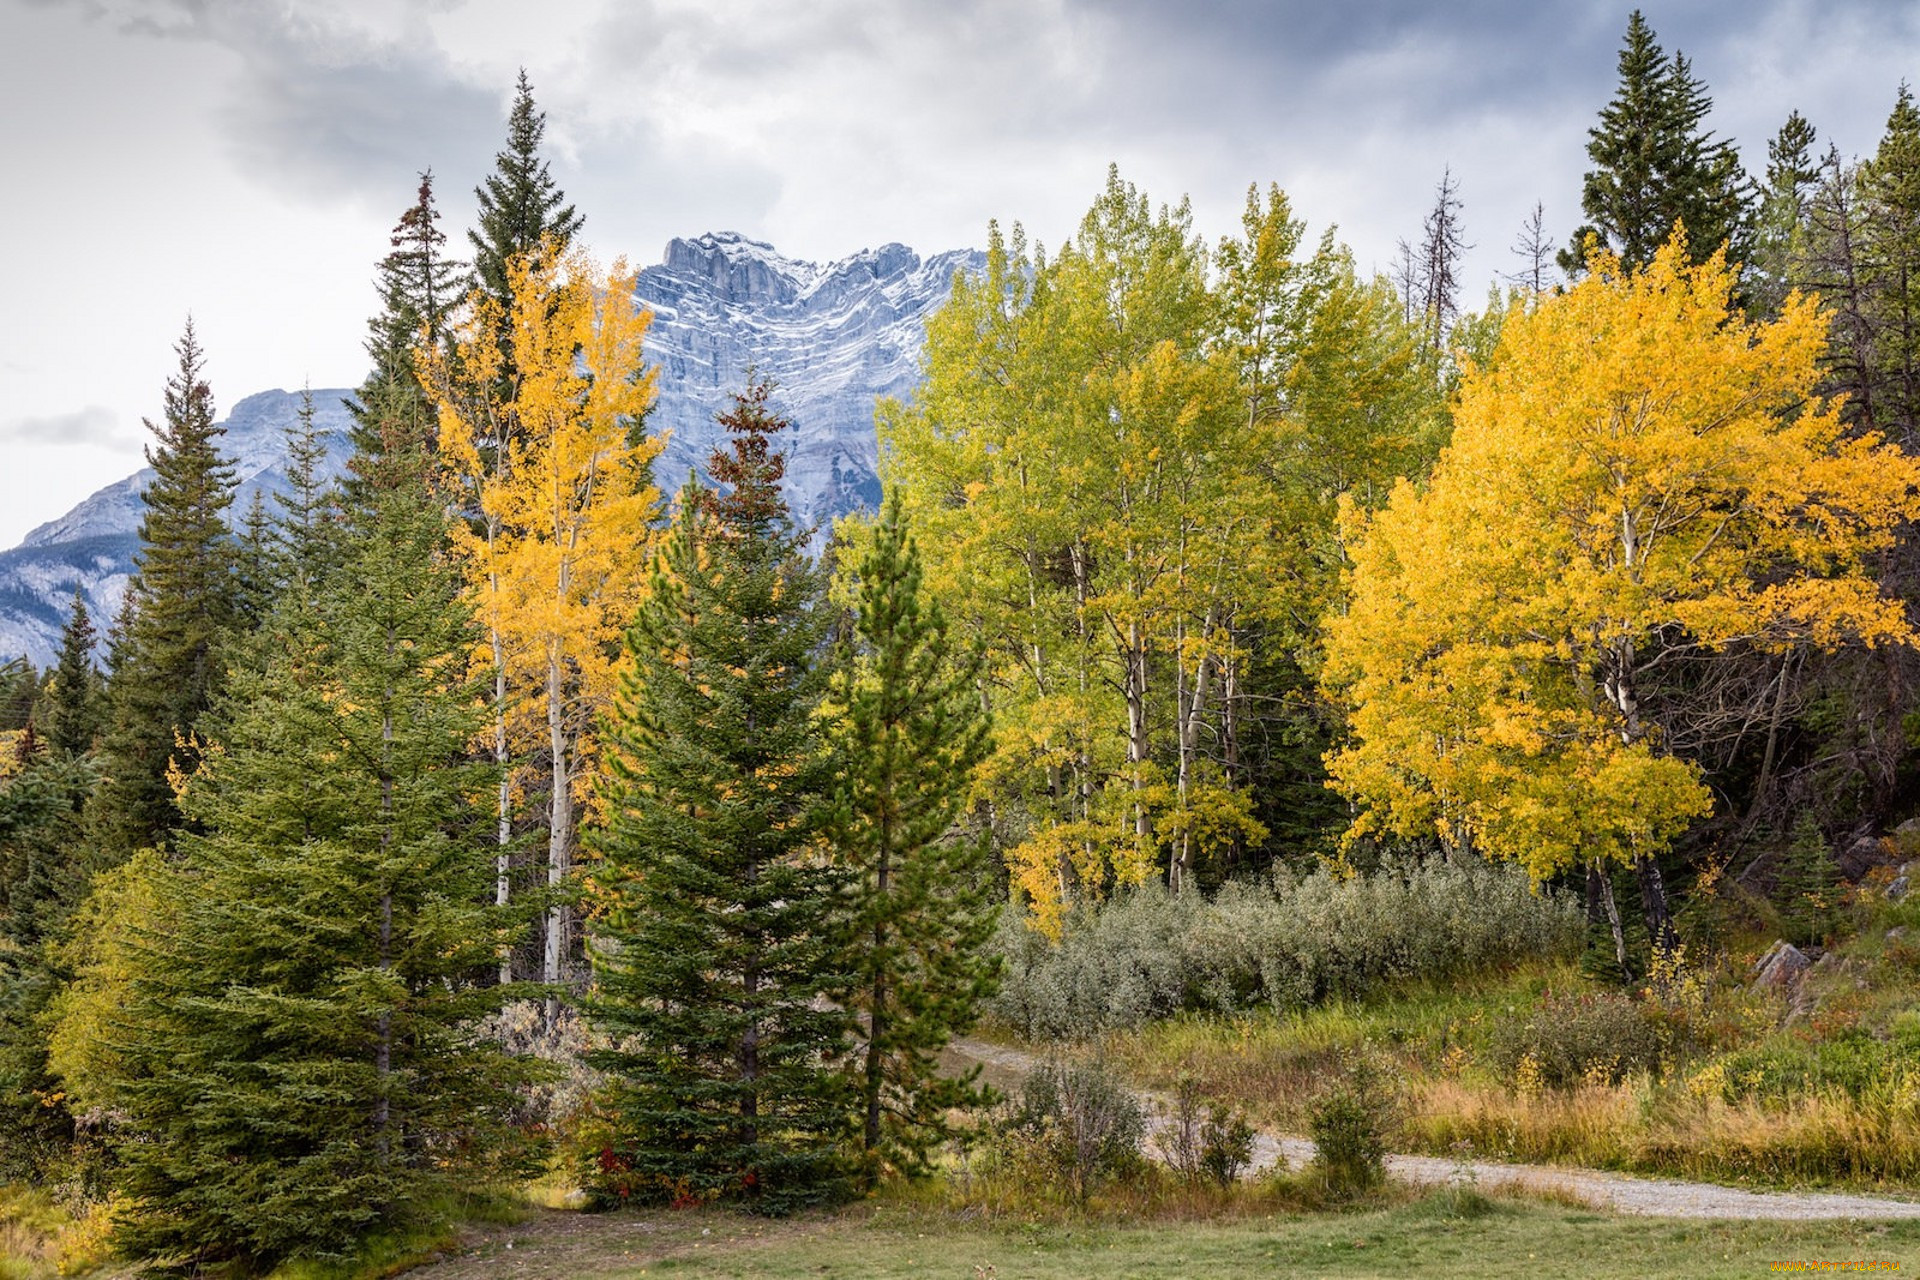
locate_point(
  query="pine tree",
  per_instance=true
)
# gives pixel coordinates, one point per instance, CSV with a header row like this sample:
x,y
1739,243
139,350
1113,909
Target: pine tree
x,y
419,289
19,690
169,658
717,941
73,710
304,1063
40,881
520,204
1656,166
1890,200
1792,174
910,738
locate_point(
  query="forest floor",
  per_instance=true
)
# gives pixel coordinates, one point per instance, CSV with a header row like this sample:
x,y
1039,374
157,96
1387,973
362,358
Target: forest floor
x,y
1004,1065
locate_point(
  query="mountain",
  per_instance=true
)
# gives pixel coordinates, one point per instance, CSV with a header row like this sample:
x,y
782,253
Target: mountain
x,y
92,546
833,337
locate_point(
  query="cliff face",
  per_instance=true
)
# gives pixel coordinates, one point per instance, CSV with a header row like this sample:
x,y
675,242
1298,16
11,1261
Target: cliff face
x,y
833,337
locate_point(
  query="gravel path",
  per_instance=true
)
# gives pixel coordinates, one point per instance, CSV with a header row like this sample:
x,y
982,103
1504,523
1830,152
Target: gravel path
x,y
1622,1193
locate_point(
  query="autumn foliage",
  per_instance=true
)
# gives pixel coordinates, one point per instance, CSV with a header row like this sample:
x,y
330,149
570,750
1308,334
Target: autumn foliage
x,y
1639,475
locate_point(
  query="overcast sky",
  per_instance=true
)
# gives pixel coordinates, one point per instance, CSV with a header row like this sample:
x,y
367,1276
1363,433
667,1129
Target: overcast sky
x,y
243,160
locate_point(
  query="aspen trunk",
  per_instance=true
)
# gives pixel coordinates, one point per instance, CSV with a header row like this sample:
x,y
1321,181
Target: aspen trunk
x,y
559,833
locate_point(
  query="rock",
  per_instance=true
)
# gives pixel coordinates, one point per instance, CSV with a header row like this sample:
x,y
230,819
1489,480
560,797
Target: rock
x,y
1782,966
1861,855
1898,888
1896,933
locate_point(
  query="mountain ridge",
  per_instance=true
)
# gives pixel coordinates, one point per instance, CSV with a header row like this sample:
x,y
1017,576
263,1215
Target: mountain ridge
x,y
832,336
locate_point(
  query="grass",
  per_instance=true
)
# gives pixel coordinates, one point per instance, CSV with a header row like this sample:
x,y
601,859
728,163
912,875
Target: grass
x,y
1428,1237
1742,1099
1272,1064
39,1239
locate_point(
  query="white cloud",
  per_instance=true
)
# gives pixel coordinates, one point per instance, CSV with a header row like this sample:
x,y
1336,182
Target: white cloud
x,y
93,425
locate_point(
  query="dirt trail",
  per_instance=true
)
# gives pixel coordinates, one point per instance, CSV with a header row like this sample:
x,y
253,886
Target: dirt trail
x,y
1622,1193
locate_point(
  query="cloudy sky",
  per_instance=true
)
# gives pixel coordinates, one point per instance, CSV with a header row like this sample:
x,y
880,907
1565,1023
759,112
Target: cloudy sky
x,y
243,160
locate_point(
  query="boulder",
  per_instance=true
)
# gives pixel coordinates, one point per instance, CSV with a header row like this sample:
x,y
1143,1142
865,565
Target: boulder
x,y
1781,966
1861,855
1898,888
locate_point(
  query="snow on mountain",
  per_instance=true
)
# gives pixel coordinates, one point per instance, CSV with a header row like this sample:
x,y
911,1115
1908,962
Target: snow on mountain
x,y
833,337
92,546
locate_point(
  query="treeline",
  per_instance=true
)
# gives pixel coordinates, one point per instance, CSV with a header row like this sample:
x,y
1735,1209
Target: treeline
x,y
1199,563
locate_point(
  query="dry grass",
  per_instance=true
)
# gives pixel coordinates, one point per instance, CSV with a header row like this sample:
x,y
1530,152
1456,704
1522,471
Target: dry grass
x,y
1640,1125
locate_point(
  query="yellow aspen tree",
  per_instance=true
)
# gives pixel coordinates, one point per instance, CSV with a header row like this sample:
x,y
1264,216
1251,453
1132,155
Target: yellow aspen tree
x,y
1087,488
558,479
1640,477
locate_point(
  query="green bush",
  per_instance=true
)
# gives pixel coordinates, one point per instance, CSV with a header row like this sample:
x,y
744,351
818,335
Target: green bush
x,y
1075,1124
1599,1038
1350,1121
1288,942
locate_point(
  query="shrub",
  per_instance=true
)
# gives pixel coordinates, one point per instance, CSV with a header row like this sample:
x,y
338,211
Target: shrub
x,y
1204,1140
1594,1039
1350,1121
1226,1144
1287,942
1075,1122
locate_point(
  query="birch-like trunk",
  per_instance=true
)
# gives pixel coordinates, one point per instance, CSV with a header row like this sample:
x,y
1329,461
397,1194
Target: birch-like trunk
x,y
559,831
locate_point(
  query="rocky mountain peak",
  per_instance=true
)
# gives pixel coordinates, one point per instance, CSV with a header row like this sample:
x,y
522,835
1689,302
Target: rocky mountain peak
x,y
833,337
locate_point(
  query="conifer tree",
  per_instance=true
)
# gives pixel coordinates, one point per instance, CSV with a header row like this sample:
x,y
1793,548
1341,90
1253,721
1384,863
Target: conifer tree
x,y
303,1062
910,737
1890,200
1792,174
303,531
256,570
1656,166
19,690
180,612
520,204
40,881
419,286
73,709
717,940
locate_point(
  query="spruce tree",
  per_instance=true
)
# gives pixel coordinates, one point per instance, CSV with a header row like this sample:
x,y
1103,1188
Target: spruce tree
x,y
180,611
1655,166
1792,175
256,571
419,286
73,709
911,734
305,1063
520,204
19,690
1890,201
717,944
40,881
